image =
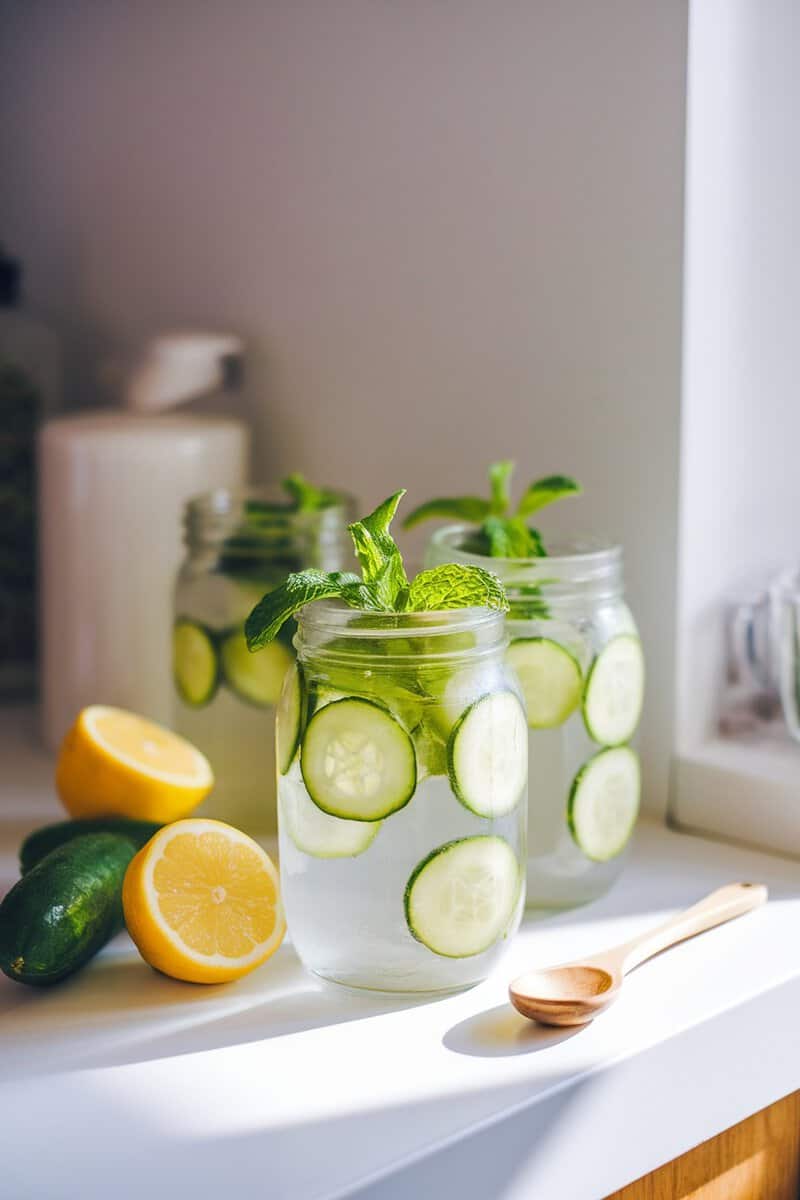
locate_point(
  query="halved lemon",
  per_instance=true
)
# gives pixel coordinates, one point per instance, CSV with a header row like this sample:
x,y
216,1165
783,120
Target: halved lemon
x,y
202,902
113,762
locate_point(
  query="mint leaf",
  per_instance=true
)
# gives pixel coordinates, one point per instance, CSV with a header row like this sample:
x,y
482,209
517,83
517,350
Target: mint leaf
x,y
509,537
537,545
457,508
545,491
306,496
455,585
384,586
362,595
500,480
298,590
381,561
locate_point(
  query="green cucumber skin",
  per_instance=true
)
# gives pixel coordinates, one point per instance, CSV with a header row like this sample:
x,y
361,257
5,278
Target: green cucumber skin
x,y
575,788
305,705
451,770
50,837
420,867
211,692
64,910
452,773
411,787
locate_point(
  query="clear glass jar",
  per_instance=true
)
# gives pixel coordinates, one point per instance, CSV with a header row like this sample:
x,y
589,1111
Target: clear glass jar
x,y
239,545
575,648
402,797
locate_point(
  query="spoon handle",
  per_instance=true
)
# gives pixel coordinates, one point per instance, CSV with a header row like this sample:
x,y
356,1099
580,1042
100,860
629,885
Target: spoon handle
x,y
723,905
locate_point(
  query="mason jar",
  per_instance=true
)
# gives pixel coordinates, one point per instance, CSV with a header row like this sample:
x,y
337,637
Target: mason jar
x,y
576,651
402,796
239,545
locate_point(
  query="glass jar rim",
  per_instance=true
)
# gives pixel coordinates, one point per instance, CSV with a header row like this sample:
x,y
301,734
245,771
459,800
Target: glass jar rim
x,y
338,619
214,518
226,501
575,565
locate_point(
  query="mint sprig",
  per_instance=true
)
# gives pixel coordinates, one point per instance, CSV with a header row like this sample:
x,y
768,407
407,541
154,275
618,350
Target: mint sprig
x,y
302,496
510,537
546,491
306,497
457,508
501,533
383,585
381,562
500,482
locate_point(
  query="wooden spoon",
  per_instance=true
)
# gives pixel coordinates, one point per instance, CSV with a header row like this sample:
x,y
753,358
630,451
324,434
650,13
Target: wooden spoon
x,y
574,993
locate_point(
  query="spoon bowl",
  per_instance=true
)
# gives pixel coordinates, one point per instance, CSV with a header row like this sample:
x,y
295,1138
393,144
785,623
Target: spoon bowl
x,y
568,995
575,993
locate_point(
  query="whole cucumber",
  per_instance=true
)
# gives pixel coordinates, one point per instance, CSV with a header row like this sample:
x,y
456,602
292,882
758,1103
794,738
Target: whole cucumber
x,y
65,909
42,841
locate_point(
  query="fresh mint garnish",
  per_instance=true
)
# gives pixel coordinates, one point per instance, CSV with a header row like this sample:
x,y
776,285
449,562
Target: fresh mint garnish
x,y
500,533
381,562
305,496
500,481
546,491
264,546
510,537
283,602
458,508
383,586
455,585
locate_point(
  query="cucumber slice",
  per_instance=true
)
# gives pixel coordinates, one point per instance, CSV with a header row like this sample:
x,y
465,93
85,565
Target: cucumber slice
x,y
398,695
318,834
256,678
604,803
357,761
462,897
551,680
453,694
612,699
290,717
195,666
487,755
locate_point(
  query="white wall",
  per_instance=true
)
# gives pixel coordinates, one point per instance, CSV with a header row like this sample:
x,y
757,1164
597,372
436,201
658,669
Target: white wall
x,y
451,229
740,493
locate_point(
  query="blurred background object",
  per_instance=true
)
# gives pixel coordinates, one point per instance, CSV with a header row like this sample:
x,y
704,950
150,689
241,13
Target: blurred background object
x,y
750,704
113,488
29,391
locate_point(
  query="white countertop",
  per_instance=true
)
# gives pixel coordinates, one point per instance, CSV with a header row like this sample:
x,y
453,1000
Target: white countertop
x,y
121,1082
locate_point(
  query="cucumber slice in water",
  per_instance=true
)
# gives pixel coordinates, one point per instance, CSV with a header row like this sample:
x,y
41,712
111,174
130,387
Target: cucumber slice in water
x,y
462,897
614,693
551,680
195,666
487,755
318,834
604,803
256,678
453,694
290,717
358,762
